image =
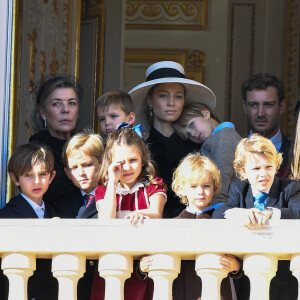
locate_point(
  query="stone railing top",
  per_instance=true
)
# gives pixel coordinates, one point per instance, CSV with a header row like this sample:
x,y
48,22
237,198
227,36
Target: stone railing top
x,y
183,237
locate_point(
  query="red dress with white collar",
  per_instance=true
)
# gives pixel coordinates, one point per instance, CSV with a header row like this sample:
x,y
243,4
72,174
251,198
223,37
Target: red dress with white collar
x,y
137,198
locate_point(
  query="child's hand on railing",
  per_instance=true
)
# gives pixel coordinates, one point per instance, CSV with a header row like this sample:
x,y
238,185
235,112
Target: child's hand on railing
x,y
135,217
145,263
229,263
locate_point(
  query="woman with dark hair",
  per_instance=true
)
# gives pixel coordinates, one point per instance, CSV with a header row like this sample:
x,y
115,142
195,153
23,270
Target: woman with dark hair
x,y
162,97
54,119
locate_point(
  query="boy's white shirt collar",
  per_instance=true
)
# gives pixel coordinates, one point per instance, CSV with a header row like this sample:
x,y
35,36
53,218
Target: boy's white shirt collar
x,y
35,206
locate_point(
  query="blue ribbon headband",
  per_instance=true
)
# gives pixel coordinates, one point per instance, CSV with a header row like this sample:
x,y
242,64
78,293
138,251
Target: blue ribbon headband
x,y
138,128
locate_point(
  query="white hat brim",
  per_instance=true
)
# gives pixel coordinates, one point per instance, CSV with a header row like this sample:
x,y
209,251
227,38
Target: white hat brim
x,y
195,93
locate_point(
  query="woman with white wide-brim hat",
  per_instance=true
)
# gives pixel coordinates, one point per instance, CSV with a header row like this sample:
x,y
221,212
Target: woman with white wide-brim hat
x,y
161,99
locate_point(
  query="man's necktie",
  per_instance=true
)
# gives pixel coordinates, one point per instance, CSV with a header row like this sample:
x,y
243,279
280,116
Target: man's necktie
x,y
88,199
259,200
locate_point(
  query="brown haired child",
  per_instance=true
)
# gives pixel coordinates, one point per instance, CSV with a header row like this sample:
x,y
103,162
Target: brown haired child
x,y
114,108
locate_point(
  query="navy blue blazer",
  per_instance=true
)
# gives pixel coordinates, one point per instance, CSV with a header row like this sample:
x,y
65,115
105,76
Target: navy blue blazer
x,y
18,207
70,206
284,195
74,207
89,212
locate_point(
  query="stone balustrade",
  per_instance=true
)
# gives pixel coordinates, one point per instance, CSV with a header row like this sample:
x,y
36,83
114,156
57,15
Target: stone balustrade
x,y
115,243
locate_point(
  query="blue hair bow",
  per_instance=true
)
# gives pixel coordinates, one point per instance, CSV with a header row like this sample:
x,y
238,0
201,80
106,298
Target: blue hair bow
x,y
138,128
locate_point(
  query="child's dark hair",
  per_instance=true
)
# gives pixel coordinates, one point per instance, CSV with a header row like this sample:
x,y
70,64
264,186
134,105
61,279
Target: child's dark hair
x,y
128,137
27,155
262,81
118,98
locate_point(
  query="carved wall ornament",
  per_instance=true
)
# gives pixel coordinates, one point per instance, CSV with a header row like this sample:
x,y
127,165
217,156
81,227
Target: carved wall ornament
x,y
43,64
168,14
65,41
196,59
54,65
55,8
32,39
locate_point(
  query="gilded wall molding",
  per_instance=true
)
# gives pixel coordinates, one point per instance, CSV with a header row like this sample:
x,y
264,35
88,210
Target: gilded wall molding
x,y
32,40
54,65
43,64
291,65
167,14
67,27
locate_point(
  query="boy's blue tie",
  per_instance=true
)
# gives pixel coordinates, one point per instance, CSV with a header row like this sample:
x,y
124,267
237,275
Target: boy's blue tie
x,y
88,199
259,200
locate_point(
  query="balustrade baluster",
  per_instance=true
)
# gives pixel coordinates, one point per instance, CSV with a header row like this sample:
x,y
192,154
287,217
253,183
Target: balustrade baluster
x,y
115,269
260,268
18,268
212,274
163,270
68,269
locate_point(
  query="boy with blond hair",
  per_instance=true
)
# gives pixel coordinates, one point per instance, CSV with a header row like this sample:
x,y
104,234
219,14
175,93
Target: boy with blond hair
x,y
81,156
260,196
112,109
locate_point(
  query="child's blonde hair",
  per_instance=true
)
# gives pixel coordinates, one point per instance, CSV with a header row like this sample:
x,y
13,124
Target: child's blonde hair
x,y
195,168
27,155
189,112
256,144
90,143
117,98
128,137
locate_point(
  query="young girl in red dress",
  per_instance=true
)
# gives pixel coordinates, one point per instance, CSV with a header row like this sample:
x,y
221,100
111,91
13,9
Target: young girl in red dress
x,y
128,189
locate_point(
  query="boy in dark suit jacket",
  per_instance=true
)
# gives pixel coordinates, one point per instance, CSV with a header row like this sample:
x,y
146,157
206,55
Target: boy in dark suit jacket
x,y
261,196
82,157
31,169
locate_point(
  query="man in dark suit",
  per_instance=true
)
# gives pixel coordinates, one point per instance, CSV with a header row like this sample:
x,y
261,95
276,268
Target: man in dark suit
x,y
264,104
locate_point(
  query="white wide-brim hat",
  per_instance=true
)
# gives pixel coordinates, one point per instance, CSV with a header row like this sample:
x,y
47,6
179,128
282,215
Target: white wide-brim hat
x,y
165,72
